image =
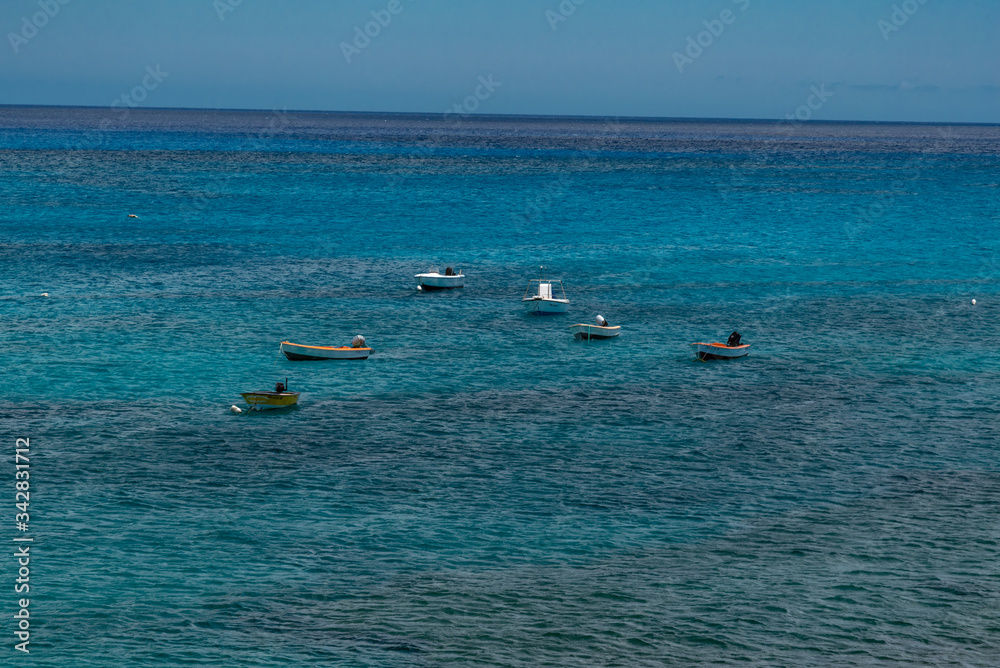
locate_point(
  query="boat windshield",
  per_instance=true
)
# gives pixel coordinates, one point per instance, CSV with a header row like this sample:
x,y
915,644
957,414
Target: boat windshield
x,y
544,290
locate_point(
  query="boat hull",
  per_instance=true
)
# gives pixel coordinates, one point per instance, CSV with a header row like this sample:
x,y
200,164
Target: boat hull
x,y
432,282
541,306
261,401
588,332
720,351
298,353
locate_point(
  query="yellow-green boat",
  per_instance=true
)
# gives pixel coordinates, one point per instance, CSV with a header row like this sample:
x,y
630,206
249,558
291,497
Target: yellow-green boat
x,y
265,399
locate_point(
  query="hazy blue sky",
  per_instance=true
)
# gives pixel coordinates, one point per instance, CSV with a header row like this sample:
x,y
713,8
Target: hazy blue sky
x,y
935,60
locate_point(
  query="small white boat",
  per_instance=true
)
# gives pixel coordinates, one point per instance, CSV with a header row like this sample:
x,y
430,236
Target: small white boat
x,y
602,329
544,301
588,332
433,280
720,351
297,352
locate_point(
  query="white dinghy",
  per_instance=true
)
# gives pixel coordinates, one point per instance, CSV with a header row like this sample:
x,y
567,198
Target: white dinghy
x,y
731,349
602,330
720,351
433,280
297,352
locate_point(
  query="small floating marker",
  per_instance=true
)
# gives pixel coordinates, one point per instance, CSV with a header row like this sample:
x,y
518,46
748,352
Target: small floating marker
x,y
420,288
235,409
973,302
132,215
45,294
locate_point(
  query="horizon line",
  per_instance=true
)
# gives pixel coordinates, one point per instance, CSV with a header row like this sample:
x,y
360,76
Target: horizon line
x,y
703,119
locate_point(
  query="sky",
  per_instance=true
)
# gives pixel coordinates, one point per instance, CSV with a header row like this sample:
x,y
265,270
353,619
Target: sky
x,y
874,60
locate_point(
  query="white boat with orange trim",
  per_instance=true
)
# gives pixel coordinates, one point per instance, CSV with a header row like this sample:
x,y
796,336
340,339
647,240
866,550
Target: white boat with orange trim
x,y
298,352
602,330
433,280
544,302
588,332
720,351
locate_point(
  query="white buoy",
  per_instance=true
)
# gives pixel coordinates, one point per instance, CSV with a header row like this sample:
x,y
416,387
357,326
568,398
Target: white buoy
x,y
45,294
235,409
132,215
973,302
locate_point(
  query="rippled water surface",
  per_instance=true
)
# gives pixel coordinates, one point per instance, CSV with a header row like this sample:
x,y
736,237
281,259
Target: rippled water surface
x,y
485,490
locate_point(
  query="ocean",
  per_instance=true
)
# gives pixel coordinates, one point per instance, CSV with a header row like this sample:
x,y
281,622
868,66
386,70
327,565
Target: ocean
x,y
485,489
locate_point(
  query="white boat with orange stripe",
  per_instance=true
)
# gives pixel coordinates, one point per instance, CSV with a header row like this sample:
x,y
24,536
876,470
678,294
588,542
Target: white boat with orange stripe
x,y
602,330
720,351
731,349
298,352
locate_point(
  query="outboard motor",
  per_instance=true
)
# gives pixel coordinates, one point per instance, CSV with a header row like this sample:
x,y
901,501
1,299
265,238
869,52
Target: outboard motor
x,y
734,339
358,342
601,322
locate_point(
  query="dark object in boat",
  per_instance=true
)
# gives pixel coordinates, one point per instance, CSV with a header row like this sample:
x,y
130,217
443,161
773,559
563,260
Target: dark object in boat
x,y
734,339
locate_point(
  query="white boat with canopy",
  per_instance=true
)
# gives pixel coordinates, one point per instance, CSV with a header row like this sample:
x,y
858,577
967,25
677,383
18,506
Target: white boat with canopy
x,y
545,301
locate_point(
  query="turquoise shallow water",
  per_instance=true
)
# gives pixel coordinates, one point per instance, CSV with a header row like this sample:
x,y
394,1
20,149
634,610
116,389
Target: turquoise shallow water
x,y
485,489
